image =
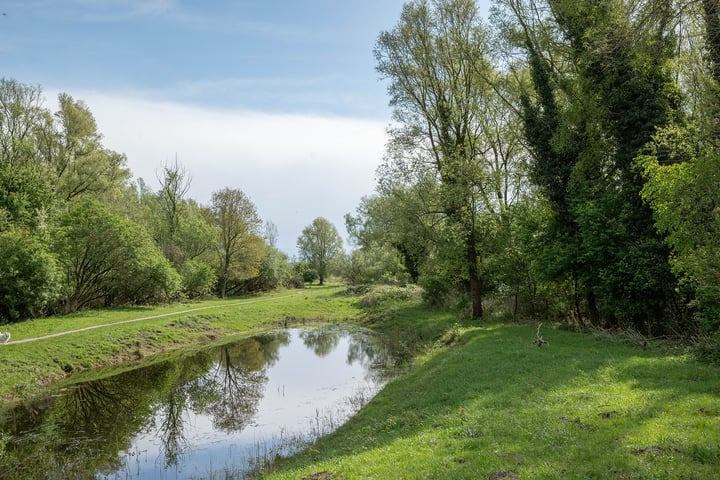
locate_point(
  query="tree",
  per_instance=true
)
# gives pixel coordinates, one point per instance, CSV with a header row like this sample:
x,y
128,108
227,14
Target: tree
x,y
241,248
275,272
453,126
681,166
72,147
21,113
174,185
318,245
602,87
685,197
374,265
25,195
109,260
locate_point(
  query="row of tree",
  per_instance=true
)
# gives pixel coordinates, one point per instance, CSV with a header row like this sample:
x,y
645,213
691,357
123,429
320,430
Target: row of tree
x,y
75,232
565,159
565,162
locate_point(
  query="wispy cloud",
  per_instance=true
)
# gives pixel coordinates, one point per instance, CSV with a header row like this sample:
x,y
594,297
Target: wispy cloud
x,y
120,10
95,10
216,20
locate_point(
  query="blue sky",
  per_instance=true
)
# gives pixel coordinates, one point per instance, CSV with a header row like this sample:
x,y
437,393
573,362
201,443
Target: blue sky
x,y
277,98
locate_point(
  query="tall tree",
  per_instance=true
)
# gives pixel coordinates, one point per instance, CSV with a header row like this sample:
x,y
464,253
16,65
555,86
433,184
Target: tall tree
x,y
602,88
444,92
318,245
241,247
74,150
21,113
174,185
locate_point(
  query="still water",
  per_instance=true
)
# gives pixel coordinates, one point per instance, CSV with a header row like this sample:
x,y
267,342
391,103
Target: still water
x,y
223,409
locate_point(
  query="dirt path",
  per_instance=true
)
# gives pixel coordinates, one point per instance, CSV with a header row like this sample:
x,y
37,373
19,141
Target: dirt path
x,y
59,334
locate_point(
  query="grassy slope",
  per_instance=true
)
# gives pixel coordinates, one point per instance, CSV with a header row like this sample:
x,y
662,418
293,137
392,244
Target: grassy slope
x,y
481,402
491,404
27,367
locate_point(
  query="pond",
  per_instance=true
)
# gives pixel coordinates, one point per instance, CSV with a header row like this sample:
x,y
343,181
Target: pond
x,y
223,409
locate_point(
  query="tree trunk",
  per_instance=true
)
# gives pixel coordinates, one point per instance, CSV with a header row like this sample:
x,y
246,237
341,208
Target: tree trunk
x,y
593,311
223,286
475,285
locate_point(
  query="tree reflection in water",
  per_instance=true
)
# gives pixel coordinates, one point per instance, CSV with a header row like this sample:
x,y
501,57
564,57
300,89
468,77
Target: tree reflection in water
x,y
90,428
321,341
236,382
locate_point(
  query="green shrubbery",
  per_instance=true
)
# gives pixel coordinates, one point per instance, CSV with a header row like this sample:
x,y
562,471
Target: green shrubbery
x,y
383,294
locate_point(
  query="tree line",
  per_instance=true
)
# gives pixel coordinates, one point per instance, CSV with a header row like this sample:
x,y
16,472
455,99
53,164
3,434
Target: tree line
x,y
76,232
561,160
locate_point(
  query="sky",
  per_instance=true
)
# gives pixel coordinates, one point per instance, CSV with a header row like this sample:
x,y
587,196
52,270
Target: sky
x,y
277,98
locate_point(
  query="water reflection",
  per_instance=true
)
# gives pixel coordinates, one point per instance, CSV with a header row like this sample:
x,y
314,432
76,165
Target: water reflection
x,y
185,417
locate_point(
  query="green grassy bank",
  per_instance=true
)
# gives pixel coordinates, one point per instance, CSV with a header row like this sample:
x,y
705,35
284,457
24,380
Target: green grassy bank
x,y
485,402
479,401
28,367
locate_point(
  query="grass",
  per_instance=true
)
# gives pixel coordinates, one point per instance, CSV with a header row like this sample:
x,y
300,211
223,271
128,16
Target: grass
x,y
483,401
28,367
479,400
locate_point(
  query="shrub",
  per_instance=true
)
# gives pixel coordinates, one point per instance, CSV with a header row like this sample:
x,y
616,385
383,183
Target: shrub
x,y
198,278
382,294
29,276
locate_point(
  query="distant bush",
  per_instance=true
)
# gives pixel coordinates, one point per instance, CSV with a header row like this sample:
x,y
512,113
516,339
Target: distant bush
x,y
381,294
198,278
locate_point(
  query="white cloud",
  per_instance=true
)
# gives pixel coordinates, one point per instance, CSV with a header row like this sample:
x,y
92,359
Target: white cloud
x,y
294,167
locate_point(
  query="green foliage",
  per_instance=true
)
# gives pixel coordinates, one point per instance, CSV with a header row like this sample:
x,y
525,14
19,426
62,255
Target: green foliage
x,y
393,219
319,245
275,272
109,260
29,276
374,265
198,278
25,195
21,119
684,192
382,295
585,127
305,272
241,250
707,349
455,159
438,291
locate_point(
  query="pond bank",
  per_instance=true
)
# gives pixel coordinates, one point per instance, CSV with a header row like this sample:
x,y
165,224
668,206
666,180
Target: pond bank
x,y
29,367
485,402
193,415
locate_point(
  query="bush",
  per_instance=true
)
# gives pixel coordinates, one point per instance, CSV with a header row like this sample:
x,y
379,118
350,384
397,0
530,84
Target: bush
x,y
305,271
198,278
381,294
29,276
437,292
707,349
110,260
